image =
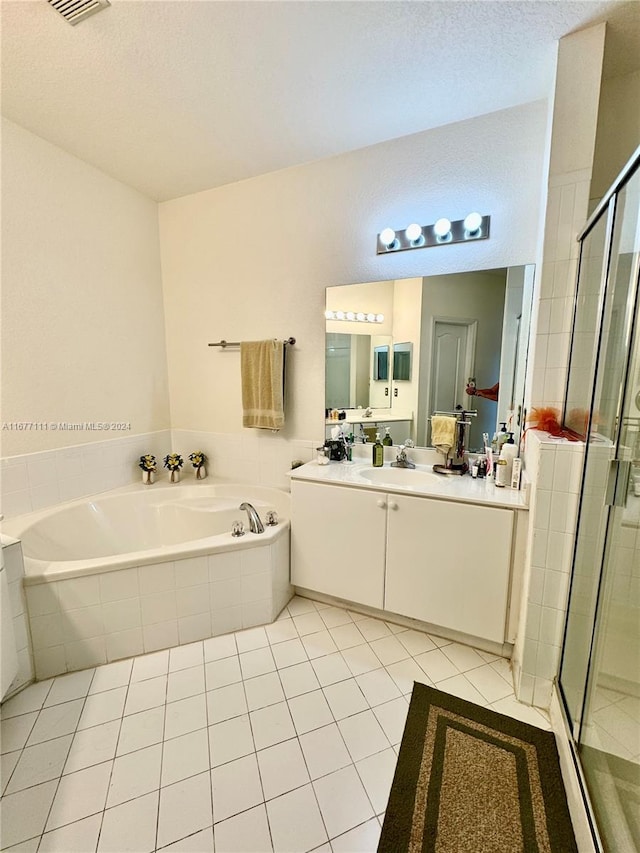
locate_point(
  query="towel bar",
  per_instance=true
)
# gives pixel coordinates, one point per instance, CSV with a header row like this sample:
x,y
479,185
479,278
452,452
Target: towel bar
x,y
223,343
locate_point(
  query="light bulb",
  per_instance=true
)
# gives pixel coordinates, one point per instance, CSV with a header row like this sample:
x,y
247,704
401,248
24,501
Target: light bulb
x,y
413,232
388,237
472,222
371,318
351,315
360,316
379,318
339,315
328,315
442,227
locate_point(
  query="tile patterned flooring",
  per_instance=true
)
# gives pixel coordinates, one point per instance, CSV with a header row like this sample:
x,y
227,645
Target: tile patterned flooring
x,y
282,738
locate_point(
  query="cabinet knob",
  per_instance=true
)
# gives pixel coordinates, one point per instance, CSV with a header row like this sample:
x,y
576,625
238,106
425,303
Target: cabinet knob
x,y
393,505
381,503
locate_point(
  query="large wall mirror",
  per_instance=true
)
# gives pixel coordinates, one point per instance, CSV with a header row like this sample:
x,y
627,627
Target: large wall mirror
x,y
406,348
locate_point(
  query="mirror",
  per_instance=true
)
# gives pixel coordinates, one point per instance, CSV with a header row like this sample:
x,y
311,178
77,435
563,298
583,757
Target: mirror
x,y
432,343
402,362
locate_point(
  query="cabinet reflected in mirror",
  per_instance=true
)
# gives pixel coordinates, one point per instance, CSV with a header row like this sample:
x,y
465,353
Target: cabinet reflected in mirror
x,y
448,342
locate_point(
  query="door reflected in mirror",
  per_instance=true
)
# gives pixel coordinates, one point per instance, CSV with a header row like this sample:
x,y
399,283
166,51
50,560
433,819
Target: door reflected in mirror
x,y
444,343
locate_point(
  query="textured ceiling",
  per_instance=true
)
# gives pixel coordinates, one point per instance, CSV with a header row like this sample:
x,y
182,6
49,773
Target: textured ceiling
x,y
176,97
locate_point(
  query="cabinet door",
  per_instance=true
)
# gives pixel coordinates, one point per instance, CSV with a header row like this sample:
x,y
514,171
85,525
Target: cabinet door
x,y
449,564
337,541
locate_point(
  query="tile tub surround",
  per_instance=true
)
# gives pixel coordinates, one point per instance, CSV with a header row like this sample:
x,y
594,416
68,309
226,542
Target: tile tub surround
x,y
271,739
91,620
34,481
14,567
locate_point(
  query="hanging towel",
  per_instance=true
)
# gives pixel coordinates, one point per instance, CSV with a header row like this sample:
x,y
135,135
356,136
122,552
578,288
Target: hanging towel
x,y
443,432
262,371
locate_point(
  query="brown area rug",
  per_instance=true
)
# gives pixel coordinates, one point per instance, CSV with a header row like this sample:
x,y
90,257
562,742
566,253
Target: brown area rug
x,y
470,780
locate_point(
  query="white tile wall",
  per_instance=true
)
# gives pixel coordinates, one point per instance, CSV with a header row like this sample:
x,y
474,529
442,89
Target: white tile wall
x,y
12,555
555,470
38,480
87,621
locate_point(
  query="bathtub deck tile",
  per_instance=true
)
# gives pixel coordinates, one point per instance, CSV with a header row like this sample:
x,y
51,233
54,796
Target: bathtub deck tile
x,y
194,628
162,635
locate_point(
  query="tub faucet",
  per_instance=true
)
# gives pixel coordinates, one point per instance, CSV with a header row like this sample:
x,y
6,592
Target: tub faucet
x,y
255,524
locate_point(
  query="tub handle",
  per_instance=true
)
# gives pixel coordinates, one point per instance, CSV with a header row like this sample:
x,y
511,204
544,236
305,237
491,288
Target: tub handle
x,y
237,529
272,518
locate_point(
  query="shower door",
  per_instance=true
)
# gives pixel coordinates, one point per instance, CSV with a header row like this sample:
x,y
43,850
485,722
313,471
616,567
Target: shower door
x,y
600,670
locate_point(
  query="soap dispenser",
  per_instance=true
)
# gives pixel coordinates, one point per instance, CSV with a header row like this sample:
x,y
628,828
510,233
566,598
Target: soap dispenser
x,y
509,452
387,441
378,453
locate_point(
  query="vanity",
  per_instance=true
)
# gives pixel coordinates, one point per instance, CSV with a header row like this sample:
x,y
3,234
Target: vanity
x,y
447,551
443,553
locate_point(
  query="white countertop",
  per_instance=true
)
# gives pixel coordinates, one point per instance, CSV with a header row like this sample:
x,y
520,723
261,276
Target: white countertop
x,y
442,487
357,416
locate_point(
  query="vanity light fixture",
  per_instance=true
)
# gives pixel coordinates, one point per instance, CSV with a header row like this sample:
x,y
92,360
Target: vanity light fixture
x,y
353,317
388,239
444,231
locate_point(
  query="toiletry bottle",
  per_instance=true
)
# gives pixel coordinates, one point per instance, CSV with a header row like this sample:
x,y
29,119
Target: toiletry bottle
x,y
378,453
387,440
501,478
501,437
509,452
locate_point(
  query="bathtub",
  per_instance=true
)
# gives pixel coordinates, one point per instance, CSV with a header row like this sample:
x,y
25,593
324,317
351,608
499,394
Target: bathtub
x,y
145,568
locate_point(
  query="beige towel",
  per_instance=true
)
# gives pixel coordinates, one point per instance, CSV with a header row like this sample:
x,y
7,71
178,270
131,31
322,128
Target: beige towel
x,y
443,432
261,367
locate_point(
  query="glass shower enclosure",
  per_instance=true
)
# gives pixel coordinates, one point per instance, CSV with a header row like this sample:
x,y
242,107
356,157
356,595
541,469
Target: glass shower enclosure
x,y
599,679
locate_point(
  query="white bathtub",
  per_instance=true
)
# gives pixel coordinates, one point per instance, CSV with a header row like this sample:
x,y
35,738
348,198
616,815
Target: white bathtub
x,y
149,567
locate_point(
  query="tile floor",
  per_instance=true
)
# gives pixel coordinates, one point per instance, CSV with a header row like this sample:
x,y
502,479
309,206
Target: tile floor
x,y
282,738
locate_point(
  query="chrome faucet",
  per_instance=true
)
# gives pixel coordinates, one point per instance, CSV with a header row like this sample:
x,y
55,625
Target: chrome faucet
x,y
402,460
255,525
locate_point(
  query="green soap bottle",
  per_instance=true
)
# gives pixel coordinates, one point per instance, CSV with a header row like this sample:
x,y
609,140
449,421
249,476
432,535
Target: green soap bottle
x,y
387,440
378,453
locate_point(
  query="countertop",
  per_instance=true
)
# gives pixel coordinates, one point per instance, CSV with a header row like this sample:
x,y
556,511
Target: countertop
x,y
442,487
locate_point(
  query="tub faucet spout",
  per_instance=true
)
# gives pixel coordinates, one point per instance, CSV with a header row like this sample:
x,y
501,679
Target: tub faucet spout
x,y
255,524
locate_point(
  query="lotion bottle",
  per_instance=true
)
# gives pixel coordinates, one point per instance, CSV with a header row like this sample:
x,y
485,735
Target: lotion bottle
x,y
387,440
509,452
378,453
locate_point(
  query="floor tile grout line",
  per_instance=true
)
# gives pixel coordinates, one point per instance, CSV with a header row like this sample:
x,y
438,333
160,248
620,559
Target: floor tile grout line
x,y
287,699
24,745
113,760
164,729
264,803
46,821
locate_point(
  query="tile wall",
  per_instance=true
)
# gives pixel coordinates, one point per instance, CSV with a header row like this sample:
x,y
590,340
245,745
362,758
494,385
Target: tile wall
x,y
35,481
555,470
12,556
91,620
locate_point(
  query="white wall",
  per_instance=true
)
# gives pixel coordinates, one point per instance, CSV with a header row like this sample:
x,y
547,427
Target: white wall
x,y
618,132
253,259
82,314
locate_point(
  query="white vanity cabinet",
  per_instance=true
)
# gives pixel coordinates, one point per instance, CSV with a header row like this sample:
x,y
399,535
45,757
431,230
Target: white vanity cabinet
x,y
338,541
443,562
449,564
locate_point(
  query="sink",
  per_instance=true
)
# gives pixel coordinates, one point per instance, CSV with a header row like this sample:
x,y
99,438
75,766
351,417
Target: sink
x,y
400,476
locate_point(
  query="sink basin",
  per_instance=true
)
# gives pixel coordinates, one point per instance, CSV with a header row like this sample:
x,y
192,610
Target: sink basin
x,y
400,476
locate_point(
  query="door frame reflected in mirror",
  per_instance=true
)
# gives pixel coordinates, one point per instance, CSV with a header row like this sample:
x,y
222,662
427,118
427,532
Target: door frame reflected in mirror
x,y
408,399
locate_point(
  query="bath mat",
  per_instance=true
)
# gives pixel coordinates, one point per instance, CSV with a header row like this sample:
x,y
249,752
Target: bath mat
x,y
470,780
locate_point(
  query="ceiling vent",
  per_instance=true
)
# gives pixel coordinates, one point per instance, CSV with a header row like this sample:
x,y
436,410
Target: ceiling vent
x,y
75,11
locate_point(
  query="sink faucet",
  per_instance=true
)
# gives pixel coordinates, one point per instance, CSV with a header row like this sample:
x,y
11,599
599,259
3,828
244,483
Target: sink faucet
x,y
402,460
255,525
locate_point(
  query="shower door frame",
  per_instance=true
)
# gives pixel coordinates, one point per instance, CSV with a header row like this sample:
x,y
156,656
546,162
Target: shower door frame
x,y
606,208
